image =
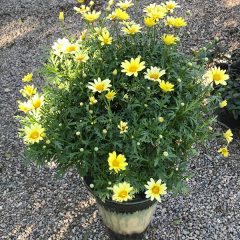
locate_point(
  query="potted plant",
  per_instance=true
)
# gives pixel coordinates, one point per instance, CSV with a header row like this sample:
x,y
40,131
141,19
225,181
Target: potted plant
x,y
124,107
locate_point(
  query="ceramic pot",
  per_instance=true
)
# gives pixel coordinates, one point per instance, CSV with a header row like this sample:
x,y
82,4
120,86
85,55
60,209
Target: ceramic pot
x,y
126,220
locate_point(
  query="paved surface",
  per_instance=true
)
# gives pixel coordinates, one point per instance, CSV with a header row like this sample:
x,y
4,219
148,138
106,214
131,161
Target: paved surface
x,y
36,205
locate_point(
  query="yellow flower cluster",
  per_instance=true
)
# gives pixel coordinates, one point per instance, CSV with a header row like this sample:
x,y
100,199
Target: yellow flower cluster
x,y
228,135
35,132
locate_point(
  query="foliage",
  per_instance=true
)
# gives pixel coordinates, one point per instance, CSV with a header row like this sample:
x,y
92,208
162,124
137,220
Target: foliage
x,y
164,121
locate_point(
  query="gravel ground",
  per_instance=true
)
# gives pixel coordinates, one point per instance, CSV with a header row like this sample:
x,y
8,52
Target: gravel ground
x,y
34,204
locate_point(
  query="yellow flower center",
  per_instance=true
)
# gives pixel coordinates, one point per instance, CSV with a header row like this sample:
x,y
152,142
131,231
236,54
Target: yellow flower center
x,y
100,87
71,49
34,135
123,194
80,58
133,68
216,77
154,75
37,103
155,190
115,163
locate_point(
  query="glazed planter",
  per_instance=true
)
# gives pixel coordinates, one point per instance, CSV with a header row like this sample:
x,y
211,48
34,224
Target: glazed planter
x,y
126,220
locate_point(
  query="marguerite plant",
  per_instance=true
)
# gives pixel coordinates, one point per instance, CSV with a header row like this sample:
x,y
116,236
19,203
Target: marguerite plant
x,y
121,104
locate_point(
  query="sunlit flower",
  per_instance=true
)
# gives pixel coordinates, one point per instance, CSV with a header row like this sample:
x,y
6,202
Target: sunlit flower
x,y
149,22
154,73
166,86
112,16
131,28
82,9
133,66
81,57
224,151
28,91
117,162
169,39
100,30
217,75
156,12
121,15
223,104
228,135
110,95
60,46
171,5
27,78
175,22
122,192
125,5
71,48
92,100
123,127
25,106
99,85
155,189
105,38
37,101
61,16
34,133
91,16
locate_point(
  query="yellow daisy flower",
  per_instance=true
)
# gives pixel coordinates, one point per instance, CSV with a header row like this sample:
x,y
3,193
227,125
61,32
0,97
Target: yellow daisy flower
x,y
224,151
60,46
99,85
25,106
166,86
28,91
171,5
81,57
91,16
123,127
217,75
34,133
155,189
149,22
175,22
82,9
117,162
131,28
112,16
223,104
169,39
156,12
110,95
37,101
105,38
154,73
125,5
228,135
133,66
92,100
27,78
121,15
122,192
71,48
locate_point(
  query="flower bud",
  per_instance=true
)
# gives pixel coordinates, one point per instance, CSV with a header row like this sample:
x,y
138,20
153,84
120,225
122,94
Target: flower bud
x,y
114,72
78,133
165,154
61,16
